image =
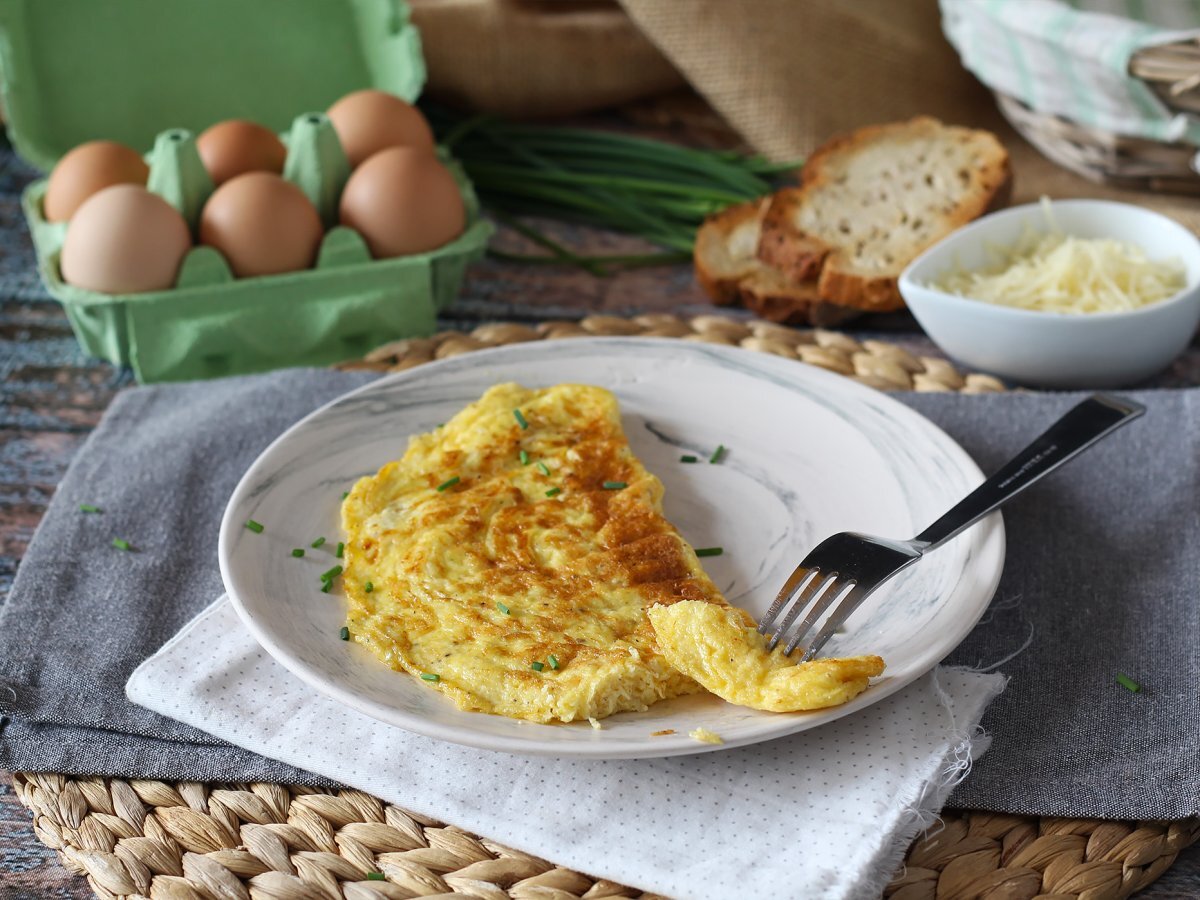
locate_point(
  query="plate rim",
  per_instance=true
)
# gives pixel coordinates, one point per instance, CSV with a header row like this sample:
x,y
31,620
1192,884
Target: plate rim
x,y
673,745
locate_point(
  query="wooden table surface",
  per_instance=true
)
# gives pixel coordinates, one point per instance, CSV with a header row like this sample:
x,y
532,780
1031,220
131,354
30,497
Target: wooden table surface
x,y
51,397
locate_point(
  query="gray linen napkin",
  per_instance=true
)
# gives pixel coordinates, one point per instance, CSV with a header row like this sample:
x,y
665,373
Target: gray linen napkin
x,y
1097,582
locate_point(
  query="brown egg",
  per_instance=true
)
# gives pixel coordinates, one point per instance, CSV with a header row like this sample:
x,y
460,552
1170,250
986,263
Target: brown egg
x,y
236,146
369,121
262,225
124,240
87,169
403,201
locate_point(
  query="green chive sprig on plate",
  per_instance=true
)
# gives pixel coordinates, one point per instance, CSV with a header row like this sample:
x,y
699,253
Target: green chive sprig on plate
x,y
298,552
520,417
256,527
709,551
122,544
317,543
88,508
344,633
614,485
537,666
717,454
544,469
449,483
554,492
327,578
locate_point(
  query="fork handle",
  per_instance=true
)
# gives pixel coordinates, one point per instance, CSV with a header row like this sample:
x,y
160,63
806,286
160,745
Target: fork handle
x,y
1081,427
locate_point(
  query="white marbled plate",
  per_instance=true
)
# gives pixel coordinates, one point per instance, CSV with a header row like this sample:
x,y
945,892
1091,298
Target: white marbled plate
x,y
809,453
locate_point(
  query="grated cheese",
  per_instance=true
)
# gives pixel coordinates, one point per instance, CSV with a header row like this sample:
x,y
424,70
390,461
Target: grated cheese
x,y
1055,272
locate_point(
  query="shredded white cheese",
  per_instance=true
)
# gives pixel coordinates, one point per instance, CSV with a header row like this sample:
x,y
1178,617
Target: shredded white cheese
x,y
1055,272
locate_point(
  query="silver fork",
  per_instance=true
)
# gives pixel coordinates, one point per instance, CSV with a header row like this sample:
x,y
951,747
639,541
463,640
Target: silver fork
x,y
849,566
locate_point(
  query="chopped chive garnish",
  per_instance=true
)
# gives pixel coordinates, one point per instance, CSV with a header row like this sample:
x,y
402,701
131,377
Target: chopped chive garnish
x,y
504,609
537,666
687,457
524,458
717,454
449,483
1128,683
325,586
345,494
376,876
331,574
88,508
520,419
553,661
614,485
553,492
317,543
256,527
543,468
297,553
344,634
340,550
430,676
710,551
368,587
122,544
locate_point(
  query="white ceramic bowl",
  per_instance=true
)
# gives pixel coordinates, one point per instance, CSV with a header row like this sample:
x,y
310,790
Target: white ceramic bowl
x,y
1060,350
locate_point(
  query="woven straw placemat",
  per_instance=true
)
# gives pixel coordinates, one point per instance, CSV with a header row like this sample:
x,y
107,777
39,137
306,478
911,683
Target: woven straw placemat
x,y
188,841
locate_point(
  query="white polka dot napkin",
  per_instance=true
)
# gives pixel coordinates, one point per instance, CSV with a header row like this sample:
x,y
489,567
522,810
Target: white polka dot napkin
x,y
824,813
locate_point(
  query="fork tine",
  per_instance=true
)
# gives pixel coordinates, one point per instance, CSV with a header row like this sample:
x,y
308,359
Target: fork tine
x,y
818,610
796,582
812,590
852,601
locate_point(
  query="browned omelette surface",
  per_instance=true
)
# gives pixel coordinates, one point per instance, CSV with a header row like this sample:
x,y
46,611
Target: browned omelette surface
x,y
517,584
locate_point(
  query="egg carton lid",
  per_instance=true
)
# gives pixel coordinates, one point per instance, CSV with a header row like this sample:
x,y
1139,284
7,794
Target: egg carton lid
x,y
124,70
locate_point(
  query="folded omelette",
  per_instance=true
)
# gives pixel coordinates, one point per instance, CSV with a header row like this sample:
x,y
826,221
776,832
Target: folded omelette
x,y
510,559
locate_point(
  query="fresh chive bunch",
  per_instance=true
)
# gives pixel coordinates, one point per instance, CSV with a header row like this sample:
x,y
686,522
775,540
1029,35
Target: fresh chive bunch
x,y
655,190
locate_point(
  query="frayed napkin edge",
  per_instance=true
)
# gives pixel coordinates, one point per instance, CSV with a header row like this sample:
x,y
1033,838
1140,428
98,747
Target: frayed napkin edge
x,y
924,805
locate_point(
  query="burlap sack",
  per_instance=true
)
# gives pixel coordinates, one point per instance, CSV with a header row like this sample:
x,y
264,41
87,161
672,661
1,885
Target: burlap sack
x,y
787,74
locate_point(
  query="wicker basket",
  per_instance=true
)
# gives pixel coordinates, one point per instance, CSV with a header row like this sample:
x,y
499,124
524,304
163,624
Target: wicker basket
x,y
1173,72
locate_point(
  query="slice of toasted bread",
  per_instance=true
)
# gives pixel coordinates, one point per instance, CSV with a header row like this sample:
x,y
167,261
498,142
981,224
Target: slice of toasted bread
x,y
725,250
729,271
871,201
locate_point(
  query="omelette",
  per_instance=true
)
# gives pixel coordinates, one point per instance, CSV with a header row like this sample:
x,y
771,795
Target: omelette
x,y
721,649
510,557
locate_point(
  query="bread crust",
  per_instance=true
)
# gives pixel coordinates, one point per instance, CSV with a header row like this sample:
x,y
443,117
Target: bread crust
x,y
728,278
799,254
722,284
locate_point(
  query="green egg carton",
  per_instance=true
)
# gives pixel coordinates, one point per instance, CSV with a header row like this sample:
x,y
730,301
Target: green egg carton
x,y
123,70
